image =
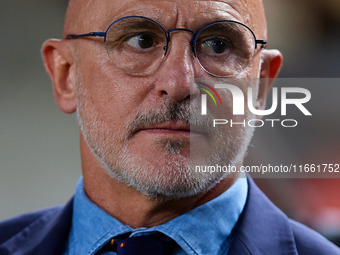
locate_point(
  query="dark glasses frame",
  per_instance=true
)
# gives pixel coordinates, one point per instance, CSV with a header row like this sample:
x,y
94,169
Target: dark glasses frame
x,y
262,43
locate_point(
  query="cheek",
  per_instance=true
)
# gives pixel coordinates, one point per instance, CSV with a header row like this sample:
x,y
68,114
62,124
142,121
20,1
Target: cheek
x,y
255,67
113,94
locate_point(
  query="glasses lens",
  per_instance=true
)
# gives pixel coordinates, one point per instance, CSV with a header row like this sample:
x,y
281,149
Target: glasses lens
x,y
135,44
225,48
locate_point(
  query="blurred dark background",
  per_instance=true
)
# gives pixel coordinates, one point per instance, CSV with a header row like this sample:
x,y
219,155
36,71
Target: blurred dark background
x,y
307,32
39,159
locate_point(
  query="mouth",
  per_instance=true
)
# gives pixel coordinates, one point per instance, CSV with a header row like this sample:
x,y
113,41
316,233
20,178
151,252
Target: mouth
x,y
171,128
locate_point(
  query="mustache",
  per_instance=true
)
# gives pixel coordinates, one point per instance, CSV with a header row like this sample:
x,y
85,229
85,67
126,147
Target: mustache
x,y
186,111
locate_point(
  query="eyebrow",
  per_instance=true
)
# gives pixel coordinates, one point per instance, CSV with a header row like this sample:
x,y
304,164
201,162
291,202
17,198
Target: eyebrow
x,y
135,25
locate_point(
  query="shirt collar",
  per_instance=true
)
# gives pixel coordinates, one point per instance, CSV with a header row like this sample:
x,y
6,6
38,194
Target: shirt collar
x,y
91,227
203,230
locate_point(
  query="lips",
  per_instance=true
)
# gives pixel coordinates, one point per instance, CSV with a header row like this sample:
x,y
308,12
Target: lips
x,y
171,127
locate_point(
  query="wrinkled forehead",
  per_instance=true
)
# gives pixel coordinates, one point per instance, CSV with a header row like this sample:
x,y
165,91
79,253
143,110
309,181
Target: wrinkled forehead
x,y
92,15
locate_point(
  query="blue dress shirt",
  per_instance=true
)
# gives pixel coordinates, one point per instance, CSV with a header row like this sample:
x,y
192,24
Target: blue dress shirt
x,y
203,230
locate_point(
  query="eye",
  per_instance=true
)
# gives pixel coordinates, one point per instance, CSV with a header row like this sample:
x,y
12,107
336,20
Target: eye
x,y
215,46
141,41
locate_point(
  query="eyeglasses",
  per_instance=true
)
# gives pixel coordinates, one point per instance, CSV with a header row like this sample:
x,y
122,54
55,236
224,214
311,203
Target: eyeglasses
x,y
137,44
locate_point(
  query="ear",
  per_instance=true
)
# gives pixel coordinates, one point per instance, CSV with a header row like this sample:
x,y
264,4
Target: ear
x,y
270,68
60,65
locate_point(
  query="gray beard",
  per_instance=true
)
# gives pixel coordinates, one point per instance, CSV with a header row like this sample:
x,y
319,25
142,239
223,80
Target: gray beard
x,y
177,178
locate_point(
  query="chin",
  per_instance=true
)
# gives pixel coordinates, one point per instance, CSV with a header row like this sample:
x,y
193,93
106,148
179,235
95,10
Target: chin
x,y
164,179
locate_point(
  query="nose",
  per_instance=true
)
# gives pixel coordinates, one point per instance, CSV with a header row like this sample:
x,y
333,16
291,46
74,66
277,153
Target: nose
x,y
178,69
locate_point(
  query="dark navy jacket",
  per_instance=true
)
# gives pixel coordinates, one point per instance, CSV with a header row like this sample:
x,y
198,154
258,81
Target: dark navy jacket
x,y
262,229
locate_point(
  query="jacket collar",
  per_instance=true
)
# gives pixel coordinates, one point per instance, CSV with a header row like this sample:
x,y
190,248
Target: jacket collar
x,y
47,235
262,228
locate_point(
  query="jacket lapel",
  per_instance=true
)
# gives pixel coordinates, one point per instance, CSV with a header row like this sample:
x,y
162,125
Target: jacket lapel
x,y
47,235
262,228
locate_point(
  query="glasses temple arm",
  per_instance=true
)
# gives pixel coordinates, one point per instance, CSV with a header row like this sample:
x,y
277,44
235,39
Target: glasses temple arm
x,y
74,36
262,42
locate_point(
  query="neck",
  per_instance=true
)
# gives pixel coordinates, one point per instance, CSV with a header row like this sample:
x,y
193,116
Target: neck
x,y
132,207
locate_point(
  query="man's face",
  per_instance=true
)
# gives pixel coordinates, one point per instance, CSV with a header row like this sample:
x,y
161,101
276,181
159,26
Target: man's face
x,y
138,126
